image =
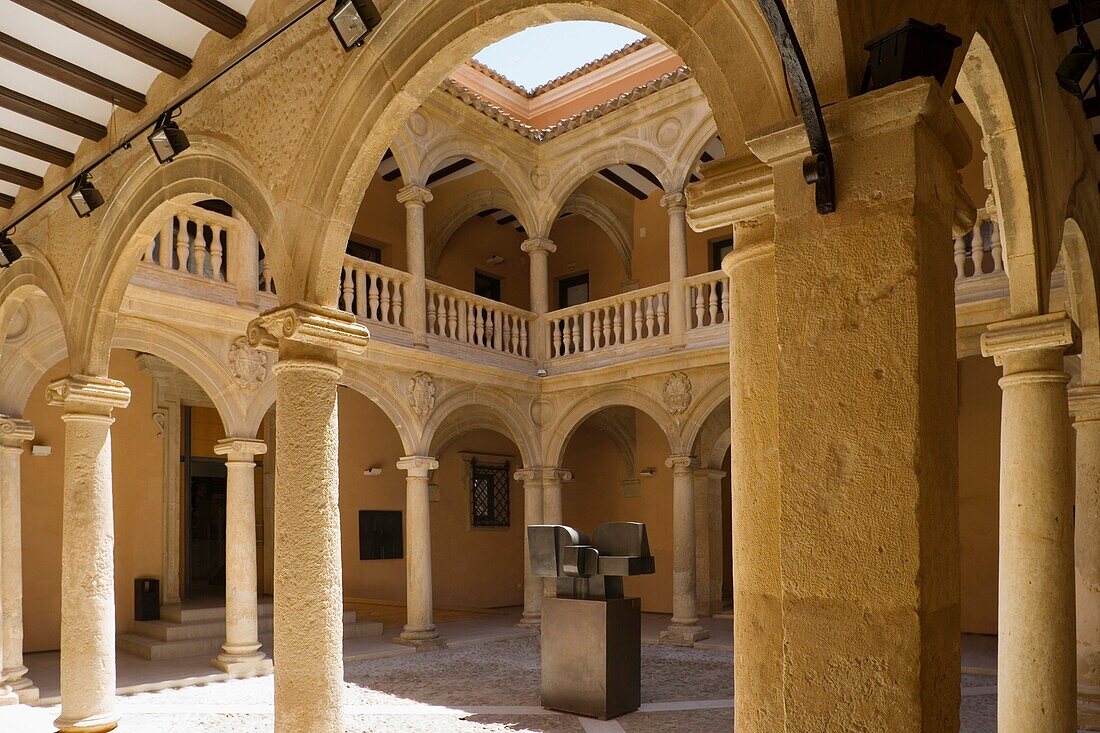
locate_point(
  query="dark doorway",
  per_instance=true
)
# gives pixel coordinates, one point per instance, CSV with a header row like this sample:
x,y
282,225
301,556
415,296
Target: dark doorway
x,y
573,290
487,286
204,500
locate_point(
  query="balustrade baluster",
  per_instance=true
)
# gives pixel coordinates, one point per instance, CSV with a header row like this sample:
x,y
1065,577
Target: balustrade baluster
x,y
712,304
433,325
183,244
498,332
699,307
606,325
217,253
385,302
725,300
199,249
995,245
165,244
618,325
977,248
649,316
567,335
509,333
662,315
960,258
452,318
372,297
556,336
360,284
268,277
479,324
347,288
523,337
398,302
579,335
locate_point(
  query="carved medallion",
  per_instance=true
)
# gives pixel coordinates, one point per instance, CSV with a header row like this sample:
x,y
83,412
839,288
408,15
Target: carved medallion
x,y
247,364
20,323
418,124
420,393
669,132
677,393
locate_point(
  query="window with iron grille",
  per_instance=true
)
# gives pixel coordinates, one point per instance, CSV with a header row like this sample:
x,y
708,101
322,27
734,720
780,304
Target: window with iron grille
x,y
489,494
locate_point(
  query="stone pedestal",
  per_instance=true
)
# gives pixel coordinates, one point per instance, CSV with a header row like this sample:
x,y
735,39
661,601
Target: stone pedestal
x,y
1036,650
13,433
532,514
87,553
241,655
684,629
414,198
1084,403
420,630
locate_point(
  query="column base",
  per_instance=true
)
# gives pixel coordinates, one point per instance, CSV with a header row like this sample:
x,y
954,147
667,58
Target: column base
x,y
24,688
530,621
683,635
422,640
7,697
1088,708
91,724
243,665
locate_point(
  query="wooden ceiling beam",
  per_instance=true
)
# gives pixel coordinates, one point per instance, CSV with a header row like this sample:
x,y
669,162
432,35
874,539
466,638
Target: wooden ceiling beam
x,y
110,33
6,201
20,178
69,74
216,16
35,148
55,116
1062,16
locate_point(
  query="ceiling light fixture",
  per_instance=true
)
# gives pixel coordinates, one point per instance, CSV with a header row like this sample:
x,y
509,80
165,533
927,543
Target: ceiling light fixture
x,y
85,197
1078,72
352,20
9,253
167,139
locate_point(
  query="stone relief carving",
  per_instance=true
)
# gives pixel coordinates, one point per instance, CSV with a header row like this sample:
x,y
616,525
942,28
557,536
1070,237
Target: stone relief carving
x,y
160,420
420,393
677,393
669,132
247,364
20,323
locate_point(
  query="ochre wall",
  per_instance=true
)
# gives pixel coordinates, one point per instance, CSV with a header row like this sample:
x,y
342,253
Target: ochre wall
x,y
472,245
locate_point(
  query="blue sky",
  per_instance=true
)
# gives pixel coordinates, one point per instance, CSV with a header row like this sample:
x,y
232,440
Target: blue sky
x,y
536,55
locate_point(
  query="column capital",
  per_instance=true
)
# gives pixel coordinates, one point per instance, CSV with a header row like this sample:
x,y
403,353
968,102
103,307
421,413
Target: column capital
x,y
80,393
1033,333
414,195
733,189
240,450
676,200
681,464
14,432
417,466
542,474
1084,404
709,473
539,244
309,324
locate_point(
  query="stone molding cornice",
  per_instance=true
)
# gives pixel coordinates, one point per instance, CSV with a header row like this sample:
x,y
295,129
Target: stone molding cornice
x,y
681,464
733,190
674,200
539,244
417,466
85,394
15,431
1034,333
1084,404
544,474
240,449
414,195
310,324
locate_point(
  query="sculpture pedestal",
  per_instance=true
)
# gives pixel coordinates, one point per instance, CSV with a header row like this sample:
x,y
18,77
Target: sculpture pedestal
x,y
592,656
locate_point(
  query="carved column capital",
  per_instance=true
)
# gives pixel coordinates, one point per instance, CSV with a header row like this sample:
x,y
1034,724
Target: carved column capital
x,y
309,324
417,466
414,195
681,464
14,432
676,200
240,450
539,244
1034,333
1084,404
81,394
544,474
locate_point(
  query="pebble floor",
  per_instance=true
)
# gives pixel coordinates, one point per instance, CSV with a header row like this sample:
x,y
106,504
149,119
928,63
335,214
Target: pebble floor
x,y
484,688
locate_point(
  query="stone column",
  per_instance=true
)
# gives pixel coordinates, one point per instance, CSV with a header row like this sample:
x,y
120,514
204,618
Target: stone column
x,y
1084,403
708,540
241,655
13,433
552,479
1036,649
420,628
532,514
865,414
676,204
539,249
87,553
308,618
414,198
684,629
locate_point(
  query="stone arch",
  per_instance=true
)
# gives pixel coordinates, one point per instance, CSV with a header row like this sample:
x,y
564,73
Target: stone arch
x,y
478,408
465,208
587,405
132,218
458,144
27,275
603,217
1081,276
726,43
711,441
26,365
703,410
689,152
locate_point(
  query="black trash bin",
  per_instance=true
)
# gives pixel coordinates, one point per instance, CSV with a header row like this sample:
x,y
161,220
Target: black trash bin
x,y
146,599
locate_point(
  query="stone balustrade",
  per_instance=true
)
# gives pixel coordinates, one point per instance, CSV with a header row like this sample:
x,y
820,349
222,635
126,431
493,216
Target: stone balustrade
x,y
373,292
456,315
978,253
195,241
708,300
639,315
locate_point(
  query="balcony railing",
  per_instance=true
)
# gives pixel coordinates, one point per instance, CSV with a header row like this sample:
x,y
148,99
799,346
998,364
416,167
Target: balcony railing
x,y
708,300
465,318
373,292
195,242
978,253
639,315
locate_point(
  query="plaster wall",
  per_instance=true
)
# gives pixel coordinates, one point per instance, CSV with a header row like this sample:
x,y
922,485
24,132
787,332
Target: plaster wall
x,y
584,247
380,221
651,243
475,242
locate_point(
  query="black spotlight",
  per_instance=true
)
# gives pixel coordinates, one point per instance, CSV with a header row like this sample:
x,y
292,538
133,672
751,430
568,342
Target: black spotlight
x,y
85,197
9,253
353,20
167,139
1078,71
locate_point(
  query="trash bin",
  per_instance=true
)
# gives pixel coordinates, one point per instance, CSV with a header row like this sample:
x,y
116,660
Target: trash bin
x,y
146,599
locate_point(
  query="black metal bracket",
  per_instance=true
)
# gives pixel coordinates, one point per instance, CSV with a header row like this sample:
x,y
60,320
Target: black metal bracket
x,y
818,167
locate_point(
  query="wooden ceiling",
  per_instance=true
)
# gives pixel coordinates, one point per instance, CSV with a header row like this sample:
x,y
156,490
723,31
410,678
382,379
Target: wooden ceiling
x,y
66,65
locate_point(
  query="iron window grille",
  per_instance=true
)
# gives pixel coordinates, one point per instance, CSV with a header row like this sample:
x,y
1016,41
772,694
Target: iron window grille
x,y
489,494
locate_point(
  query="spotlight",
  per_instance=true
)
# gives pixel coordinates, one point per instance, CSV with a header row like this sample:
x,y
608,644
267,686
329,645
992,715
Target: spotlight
x,y
167,139
9,253
1078,71
85,197
353,20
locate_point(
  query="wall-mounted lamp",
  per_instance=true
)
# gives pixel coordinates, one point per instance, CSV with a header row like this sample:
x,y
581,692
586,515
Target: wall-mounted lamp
x,y
495,260
541,372
373,471
41,450
648,472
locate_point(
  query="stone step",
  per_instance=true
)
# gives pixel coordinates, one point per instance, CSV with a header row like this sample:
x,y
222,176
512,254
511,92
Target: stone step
x,y
203,629
178,614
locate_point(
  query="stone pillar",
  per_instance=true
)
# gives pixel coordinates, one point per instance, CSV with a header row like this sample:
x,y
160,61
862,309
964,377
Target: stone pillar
x,y
419,628
539,249
308,618
241,655
676,204
13,433
1036,657
866,438
552,479
1084,403
414,198
532,514
708,541
684,629
168,411
87,553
